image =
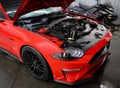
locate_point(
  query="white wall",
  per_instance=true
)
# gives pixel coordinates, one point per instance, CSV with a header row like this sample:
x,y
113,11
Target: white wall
x,y
114,3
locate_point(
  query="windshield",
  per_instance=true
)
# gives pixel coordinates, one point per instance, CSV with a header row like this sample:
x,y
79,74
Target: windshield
x,y
11,6
41,12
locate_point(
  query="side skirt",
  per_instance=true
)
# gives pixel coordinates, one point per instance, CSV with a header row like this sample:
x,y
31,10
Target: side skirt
x,y
7,52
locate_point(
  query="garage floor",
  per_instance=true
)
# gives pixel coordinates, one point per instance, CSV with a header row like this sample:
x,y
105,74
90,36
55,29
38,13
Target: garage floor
x,y
15,75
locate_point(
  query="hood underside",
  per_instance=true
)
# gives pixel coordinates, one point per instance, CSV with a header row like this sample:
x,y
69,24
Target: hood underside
x,y
32,5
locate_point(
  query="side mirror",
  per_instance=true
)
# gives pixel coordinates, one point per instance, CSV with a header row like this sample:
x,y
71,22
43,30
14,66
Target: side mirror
x,y
1,20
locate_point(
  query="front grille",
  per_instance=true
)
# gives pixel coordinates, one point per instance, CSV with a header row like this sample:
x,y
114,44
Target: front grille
x,y
96,56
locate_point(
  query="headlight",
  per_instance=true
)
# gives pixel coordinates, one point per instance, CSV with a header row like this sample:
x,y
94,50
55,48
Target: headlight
x,y
69,54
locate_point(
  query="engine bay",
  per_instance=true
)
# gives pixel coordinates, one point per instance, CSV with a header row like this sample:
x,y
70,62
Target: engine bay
x,y
70,28
66,31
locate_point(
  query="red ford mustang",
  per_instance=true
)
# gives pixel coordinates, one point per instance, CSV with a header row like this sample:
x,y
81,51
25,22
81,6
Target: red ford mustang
x,y
52,43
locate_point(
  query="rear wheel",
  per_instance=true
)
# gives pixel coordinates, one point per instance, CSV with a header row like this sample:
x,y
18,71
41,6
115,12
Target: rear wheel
x,y
36,64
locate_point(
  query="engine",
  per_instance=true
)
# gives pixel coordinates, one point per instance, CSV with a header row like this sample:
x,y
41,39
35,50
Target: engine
x,y
70,30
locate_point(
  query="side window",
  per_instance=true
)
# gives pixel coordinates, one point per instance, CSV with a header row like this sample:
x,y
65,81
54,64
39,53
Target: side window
x,y
2,15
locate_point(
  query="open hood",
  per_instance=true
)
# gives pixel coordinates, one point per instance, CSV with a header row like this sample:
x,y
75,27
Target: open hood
x,y
31,5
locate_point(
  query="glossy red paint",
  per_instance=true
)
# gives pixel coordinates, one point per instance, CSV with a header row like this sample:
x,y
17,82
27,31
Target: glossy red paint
x,y
14,38
85,71
31,5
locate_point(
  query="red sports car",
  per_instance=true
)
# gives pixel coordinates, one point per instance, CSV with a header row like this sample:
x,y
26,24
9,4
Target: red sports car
x,y
52,43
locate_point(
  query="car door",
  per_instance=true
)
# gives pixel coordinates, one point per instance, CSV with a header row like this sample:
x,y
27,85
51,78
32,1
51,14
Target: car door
x,y
2,28
6,36
6,33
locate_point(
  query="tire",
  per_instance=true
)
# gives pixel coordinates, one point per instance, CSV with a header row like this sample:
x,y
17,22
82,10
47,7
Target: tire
x,y
108,45
36,64
104,21
0,51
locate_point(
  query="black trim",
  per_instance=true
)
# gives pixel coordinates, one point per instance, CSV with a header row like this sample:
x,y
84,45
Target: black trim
x,y
7,52
77,82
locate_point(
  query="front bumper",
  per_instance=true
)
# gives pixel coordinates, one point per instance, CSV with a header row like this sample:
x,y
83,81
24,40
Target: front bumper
x,y
87,76
81,70
78,82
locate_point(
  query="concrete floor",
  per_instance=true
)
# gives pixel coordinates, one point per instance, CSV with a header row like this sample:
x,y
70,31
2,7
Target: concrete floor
x,y
15,75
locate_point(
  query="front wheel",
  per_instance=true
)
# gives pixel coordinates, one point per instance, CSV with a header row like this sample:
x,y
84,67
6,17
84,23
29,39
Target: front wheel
x,y
36,64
